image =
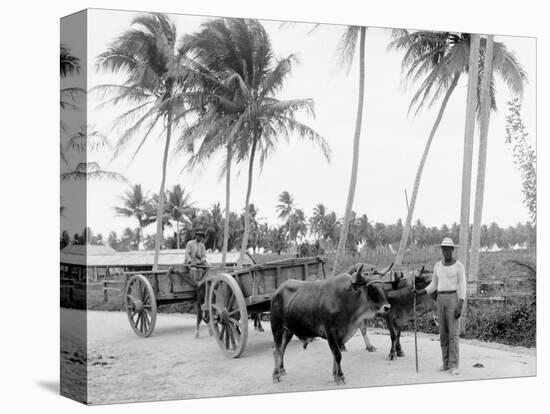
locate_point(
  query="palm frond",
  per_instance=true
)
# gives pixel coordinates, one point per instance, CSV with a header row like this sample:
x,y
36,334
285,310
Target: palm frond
x,y
91,171
347,46
305,132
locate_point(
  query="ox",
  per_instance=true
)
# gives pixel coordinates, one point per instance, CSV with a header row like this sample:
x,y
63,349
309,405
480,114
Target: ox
x,y
399,294
331,309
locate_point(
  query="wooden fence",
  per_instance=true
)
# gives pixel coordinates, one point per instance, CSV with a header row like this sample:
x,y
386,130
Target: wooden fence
x,y
107,294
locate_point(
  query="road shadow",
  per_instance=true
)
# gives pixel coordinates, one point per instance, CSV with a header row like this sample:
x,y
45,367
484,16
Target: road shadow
x,y
50,386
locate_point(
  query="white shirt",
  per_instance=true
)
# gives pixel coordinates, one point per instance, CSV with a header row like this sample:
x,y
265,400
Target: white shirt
x,y
194,251
448,278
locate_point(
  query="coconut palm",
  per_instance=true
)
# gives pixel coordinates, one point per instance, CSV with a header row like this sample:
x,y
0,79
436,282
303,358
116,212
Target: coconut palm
x,y
213,222
178,206
243,82
485,114
69,66
437,60
85,141
153,211
332,228
286,208
467,158
136,204
253,224
299,227
364,230
318,220
68,96
147,54
208,100
347,51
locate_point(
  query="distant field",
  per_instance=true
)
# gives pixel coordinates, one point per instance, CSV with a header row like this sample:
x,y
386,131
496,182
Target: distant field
x,y
491,264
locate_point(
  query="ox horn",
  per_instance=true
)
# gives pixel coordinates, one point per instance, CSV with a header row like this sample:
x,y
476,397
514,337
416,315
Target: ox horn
x,y
357,279
386,270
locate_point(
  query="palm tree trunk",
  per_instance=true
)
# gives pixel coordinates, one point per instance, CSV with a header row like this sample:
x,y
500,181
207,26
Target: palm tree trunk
x,y
177,234
227,199
160,207
482,156
247,202
468,149
140,236
290,230
355,162
419,171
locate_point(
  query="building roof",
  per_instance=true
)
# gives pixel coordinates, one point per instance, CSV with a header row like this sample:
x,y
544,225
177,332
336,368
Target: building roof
x,y
89,249
89,255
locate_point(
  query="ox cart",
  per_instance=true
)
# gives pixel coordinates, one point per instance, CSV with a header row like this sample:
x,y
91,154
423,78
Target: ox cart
x,y
231,296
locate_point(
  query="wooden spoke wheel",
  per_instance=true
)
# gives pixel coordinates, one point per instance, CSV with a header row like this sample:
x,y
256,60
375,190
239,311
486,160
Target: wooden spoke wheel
x,y
228,315
141,305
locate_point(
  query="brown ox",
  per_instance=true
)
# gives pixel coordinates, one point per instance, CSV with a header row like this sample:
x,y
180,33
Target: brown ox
x,y
331,309
399,294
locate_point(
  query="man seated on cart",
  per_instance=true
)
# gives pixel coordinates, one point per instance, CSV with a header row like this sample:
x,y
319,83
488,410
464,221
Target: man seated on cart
x,y
195,256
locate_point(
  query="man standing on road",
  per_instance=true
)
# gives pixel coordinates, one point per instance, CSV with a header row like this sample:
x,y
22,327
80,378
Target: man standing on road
x,y
449,279
195,255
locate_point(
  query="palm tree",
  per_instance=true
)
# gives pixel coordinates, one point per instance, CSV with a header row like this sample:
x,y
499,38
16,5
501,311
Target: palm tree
x,y
253,223
235,231
165,216
243,83
485,114
285,208
136,204
364,230
68,96
214,227
69,64
147,54
332,228
317,221
348,46
437,60
300,224
440,57
178,205
467,158
86,141
277,239
215,125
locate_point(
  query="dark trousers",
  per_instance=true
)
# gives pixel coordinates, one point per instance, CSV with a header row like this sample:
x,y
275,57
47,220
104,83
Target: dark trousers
x,y
448,328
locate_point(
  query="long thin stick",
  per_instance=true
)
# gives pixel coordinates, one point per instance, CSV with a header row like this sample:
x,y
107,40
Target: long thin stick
x,y
415,328
410,230
414,296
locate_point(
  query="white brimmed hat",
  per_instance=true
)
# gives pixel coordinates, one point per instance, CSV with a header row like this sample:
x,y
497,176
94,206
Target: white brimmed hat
x,y
448,242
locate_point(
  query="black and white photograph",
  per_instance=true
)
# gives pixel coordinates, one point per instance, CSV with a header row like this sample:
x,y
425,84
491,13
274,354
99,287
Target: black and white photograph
x,y
253,206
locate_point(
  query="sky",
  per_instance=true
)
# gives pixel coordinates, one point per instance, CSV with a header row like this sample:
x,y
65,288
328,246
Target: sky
x,y
391,140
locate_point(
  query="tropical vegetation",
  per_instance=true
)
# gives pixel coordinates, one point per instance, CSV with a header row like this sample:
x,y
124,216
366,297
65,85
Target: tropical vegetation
x,y
436,61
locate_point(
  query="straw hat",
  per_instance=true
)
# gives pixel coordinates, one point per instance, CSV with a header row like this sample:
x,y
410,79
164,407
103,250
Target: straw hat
x,y
447,242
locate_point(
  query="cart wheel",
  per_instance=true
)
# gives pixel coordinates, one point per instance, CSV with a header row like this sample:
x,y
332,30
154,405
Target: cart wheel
x,y
141,305
228,315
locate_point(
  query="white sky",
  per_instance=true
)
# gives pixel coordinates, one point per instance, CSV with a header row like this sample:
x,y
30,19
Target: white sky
x,y
391,142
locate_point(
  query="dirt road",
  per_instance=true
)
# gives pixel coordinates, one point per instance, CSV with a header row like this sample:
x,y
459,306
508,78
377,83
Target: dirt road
x,y
173,365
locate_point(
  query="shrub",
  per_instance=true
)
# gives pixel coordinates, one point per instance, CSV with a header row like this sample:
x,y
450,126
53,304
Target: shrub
x,y
514,325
